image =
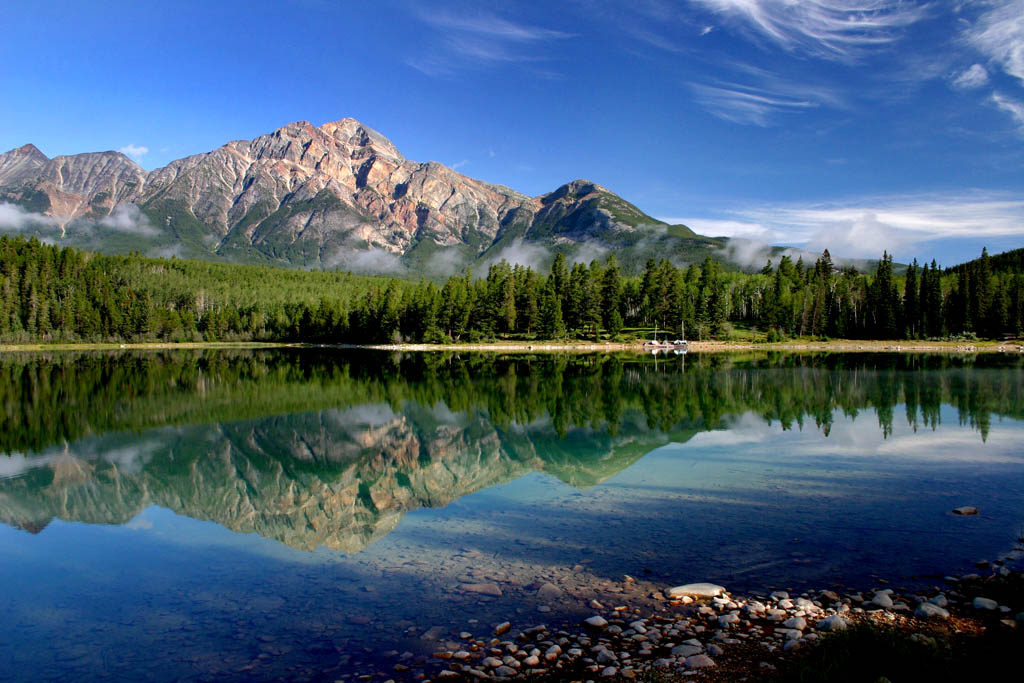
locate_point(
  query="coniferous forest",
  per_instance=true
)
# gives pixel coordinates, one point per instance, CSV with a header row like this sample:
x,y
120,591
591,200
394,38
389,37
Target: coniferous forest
x,y
54,294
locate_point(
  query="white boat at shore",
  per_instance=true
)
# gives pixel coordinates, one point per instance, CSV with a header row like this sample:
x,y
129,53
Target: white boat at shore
x,y
677,345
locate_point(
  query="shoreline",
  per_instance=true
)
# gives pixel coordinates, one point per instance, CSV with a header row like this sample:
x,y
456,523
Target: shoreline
x,y
835,346
703,632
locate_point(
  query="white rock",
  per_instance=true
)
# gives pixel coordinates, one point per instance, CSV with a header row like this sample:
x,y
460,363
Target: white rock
x,y
727,619
697,590
754,607
807,605
609,671
779,595
882,600
698,662
939,600
832,623
549,591
798,623
605,657
596,621
985,603
686,650
927,610
790,633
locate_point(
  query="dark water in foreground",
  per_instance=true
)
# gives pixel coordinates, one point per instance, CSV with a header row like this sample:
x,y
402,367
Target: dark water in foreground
x,y
291,514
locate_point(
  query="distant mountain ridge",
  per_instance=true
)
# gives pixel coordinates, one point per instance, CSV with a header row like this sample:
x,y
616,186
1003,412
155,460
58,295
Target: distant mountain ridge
x,y
336,195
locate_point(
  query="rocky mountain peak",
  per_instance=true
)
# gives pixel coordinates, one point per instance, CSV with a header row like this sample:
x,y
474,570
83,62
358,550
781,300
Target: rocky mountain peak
x,y
30,151
575,190
21,163
306,195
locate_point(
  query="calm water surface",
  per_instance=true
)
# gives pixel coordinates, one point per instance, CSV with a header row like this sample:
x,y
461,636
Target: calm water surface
x,y
294,514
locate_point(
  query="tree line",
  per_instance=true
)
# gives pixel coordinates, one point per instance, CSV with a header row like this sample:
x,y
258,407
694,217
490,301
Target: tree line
x,y
60,398
54,294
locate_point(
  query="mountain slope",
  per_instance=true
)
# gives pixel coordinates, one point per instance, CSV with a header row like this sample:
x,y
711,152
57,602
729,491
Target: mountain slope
x,y
337,195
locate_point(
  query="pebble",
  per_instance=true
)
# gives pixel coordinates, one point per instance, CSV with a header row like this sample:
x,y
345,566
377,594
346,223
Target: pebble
x,y
832,623
502,628
798,623
596,621
489,589
686,650
882,600
609,671
727,619
985,604
549,591
927,610
699,662
754,607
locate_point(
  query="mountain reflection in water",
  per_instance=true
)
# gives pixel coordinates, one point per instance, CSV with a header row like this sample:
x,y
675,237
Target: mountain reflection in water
x,y
322,448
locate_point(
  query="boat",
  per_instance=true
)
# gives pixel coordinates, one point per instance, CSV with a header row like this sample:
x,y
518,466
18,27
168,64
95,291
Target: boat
x,y
677,345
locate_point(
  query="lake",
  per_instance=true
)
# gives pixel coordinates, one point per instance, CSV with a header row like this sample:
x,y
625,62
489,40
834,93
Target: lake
x,y
314,514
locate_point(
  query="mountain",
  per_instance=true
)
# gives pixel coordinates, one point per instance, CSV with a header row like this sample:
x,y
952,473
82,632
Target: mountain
x,y
337,478
337,195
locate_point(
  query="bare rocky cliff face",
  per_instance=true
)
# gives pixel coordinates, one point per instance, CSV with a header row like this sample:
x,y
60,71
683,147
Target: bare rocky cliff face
x,y
304,195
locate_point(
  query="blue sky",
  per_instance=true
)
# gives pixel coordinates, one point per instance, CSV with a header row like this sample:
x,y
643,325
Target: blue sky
x,y
858,126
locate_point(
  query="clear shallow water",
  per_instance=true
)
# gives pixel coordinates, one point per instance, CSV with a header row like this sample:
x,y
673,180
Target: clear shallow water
x,y
274,515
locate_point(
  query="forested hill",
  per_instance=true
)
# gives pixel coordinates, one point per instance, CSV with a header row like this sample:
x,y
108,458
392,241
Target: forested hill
x,y
54,294
1006,262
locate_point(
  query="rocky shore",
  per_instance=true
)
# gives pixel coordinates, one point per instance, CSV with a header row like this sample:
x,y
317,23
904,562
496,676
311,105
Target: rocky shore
x,y
701,631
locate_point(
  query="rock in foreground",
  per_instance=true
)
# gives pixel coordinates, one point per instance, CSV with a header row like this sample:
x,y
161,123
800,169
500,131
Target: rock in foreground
x,y
696,590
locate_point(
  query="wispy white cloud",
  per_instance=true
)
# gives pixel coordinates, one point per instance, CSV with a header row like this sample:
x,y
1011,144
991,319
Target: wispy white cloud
x,y
835,29
365,261
706,30
999,35
863,228
460,164
1013,107
466,41
134,151
520,253
749,105
969,79
14,218
127,218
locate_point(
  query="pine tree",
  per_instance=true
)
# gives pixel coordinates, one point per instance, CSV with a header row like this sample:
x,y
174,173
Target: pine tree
x,y
911,301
